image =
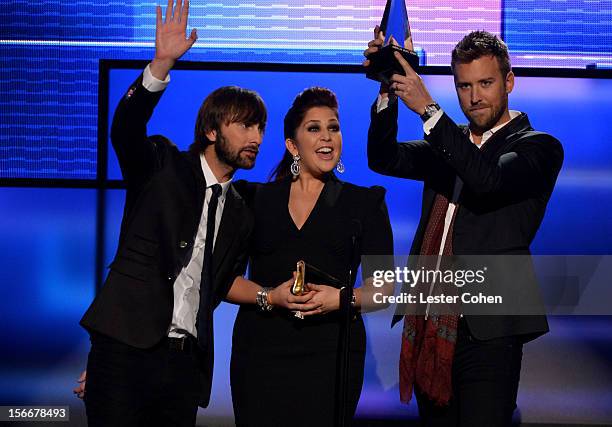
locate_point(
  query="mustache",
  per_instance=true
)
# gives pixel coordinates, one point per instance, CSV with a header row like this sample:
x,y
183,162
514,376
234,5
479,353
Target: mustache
x,y
478,107
253,148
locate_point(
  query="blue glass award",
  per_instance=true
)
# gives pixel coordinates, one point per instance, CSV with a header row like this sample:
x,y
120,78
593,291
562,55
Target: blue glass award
x,y
394,26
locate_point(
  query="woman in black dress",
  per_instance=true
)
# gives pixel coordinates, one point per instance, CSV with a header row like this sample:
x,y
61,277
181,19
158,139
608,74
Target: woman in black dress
x,y
283,367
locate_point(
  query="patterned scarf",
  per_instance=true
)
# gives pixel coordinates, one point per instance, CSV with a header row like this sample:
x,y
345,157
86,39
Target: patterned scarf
x,y
428,346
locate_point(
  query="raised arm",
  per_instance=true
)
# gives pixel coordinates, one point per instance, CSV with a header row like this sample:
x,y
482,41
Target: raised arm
x,y
532,166
413,160
387,156
137,155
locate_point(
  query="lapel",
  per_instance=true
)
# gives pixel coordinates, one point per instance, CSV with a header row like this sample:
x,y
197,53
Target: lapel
x,y
231,223
200,183
497,144
332,191
230,218
442,183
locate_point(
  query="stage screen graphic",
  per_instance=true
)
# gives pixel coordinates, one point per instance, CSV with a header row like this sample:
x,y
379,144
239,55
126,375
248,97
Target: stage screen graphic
x,y
49,53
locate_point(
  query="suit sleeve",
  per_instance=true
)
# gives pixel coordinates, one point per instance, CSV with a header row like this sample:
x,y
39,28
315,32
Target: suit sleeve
x,y
413,160
532,166
242,258
138,156
377,236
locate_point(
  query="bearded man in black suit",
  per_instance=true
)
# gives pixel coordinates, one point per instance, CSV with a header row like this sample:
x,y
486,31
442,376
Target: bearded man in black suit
x,y
183,242
486,187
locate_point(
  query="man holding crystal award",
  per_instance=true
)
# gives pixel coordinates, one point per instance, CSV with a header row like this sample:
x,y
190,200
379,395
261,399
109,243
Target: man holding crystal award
x,y
486,187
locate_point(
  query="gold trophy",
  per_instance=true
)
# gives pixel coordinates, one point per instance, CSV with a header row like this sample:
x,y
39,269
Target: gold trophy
x,y
299,285
383,63
315,275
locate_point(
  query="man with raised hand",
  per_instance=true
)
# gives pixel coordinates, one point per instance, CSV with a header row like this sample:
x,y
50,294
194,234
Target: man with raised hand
x,y
183,242
486,187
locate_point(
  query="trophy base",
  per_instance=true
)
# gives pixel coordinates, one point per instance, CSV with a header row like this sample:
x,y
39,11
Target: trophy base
x,y
383,63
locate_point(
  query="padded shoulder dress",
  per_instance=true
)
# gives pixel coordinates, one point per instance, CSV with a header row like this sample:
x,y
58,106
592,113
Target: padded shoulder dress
x,y
283,369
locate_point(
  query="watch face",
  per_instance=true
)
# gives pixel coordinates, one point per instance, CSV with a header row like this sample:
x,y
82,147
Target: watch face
x,y
430,110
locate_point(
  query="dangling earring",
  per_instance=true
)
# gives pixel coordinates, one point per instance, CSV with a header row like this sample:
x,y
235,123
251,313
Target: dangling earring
x,y
295,166
340,166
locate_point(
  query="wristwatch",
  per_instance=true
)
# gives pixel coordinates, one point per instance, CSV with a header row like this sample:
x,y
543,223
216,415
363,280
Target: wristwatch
x,y
430,110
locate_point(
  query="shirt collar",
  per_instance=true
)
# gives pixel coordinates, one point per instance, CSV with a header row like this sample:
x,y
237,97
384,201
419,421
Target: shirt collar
x,y
210,178
488,134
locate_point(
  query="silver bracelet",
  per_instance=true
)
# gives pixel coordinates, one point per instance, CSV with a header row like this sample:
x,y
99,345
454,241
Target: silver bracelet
x,y
262,299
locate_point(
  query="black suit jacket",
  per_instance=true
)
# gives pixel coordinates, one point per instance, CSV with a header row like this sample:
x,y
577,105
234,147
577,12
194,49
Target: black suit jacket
x,y
164,202
506,186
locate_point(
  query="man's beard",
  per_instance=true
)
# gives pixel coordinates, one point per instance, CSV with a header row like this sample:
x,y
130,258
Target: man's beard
x,y
487,122
232,158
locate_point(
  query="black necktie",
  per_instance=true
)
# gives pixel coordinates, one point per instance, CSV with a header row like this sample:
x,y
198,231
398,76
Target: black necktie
x,y
204,321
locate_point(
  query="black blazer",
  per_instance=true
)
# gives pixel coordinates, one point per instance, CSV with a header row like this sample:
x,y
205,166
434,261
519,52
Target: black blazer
x,y
164,202
506,186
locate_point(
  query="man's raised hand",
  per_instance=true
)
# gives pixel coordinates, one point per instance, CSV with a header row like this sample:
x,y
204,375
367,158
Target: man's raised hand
x,y
410,87
170,40
374,45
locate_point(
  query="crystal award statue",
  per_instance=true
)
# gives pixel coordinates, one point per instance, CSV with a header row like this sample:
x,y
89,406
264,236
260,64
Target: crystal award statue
x,y
394,24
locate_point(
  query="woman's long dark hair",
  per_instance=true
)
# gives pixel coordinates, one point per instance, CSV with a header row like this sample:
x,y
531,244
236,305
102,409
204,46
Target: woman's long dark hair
x,y
307,99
